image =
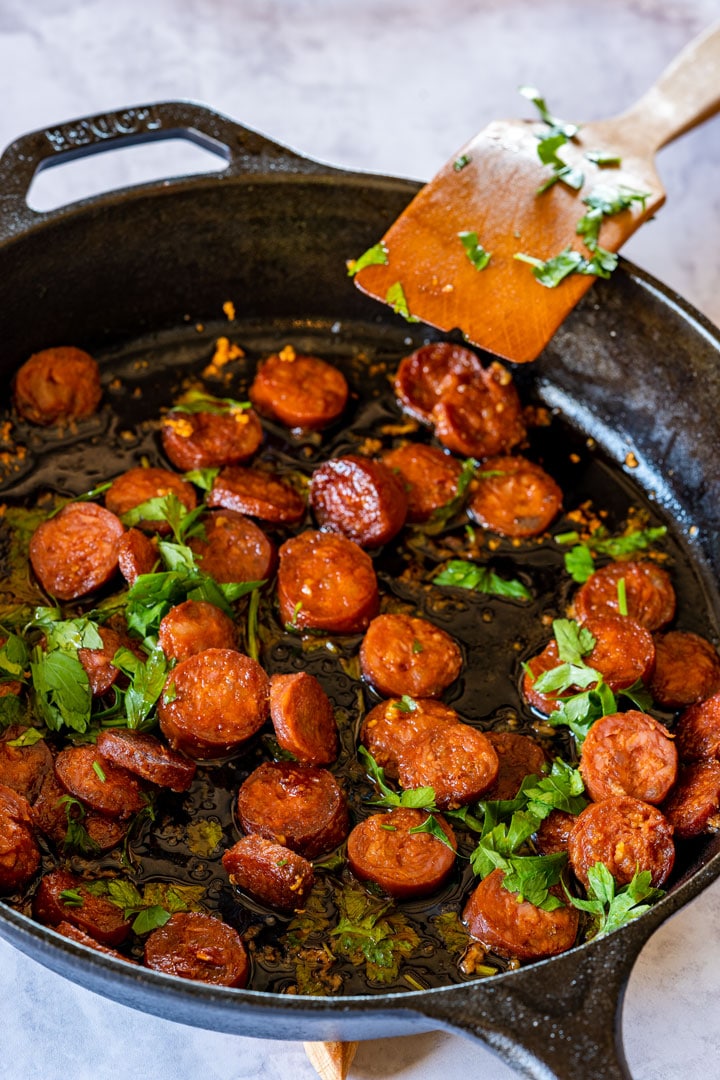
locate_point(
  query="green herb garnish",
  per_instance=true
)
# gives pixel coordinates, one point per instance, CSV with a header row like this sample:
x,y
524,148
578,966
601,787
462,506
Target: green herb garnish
x,y
474,250
375,256
467,575
579,561
613,907
395,297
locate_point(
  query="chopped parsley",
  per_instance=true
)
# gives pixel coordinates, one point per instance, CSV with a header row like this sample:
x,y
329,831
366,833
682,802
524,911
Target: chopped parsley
x,y
474,250
375,256
395,297
467,575
195,401
612,907
579,560
443,515
461,162
422,798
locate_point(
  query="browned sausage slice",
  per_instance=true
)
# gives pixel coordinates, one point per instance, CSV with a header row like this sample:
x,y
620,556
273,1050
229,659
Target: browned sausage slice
x,y
326,582
271,873
554,832
394,725
136,486
401,654
427,374
98,665
430,477
23,768
204,440
519,756
258,494
51,813
299,806
19,853
95,782
192,627
213,703
692,806
648,589
57,385
63,897
360,498
456,760
299,391
514,497
304,719
687,669
404,864
136,555
196,946
512,927
482,418
629,753
75,552
147,757
698,731
627,835
76,934
234,549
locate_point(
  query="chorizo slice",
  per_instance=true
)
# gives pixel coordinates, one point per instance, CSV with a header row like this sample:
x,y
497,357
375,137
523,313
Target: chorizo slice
x,y
213,703
627,835
698,731
360,498
482,418
269,872
146,757
136,555
112,791
234,549
192,627
514,497
392,726
546,660
648,589
52,817
456,760
193,945
57,385
258,494
24,768
63,897
76,934
687,669
19,852
519,756
515,928
136,486
430,477
403,655
326,582
304,719
629,753
405,864
300,391
299,806
554,832
98,665
427,374
693,804
75,552
204,440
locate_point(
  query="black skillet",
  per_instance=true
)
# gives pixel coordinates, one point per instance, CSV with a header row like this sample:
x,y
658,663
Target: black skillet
x,y
633,368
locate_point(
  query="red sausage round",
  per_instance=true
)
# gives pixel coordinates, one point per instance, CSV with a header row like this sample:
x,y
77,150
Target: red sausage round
x,y
146,757
629,753
554,832
136,555
456,760
19,853
404,864
430,477
687,669
192,627
482,418
136,486
304,719
258,494
514,497
23,768
204,440
234,549
76,934
57,385
648,589
693,804
271,873
392,726
326,582
625,834
402,655
299,391
98,665
196,946
360,498
95,782
698,731
75,552
63,897
427,374
519,756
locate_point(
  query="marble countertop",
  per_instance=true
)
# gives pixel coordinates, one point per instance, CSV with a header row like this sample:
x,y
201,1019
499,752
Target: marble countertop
x,y
391,86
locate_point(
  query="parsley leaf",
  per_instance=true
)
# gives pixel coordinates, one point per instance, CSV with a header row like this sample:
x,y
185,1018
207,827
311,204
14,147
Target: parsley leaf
x,y
166,508
61,690
147,679
375,256
440,517
395,297
202,478
466,575
550,272
194,401
370,934
579,561
474,250
611,907
76,836
422,798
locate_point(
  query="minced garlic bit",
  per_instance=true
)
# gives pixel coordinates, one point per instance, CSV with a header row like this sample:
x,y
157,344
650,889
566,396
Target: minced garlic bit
x,y
180,425
225,351
229,309
287,354
631,461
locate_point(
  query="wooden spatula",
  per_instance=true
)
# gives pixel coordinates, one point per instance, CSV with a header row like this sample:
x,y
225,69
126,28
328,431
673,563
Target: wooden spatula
x,y
486,199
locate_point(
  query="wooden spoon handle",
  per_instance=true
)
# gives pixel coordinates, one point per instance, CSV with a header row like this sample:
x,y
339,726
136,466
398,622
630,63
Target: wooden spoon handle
x,y
331,1060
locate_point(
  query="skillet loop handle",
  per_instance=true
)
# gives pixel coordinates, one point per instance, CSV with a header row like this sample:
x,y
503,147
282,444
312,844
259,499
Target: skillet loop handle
x,y
245,151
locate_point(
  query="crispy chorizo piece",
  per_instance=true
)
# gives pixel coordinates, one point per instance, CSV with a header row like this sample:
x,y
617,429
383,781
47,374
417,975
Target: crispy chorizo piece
x,y
304,719
101,786
687,669
234,549
196,946
482,418
104,832
629,753
63,897
192,627
98,665
136,555
430,372
693,804
326,582
512,927
627,835
136,486
554,832
19,853
519,756
75,552
23,768
698,731
204,440
299,806
648,589
147,757
51,813
299,391
76,934
404,864
514,497
430,477
456,760
402,655
258,494
392,726
360,498
271,873
57,385
213,703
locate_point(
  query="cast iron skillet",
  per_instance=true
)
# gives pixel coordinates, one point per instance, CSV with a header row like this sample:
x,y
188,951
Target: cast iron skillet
x,y
634,367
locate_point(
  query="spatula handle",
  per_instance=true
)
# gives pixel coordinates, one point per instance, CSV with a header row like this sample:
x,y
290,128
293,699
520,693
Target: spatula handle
x,y
687,93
